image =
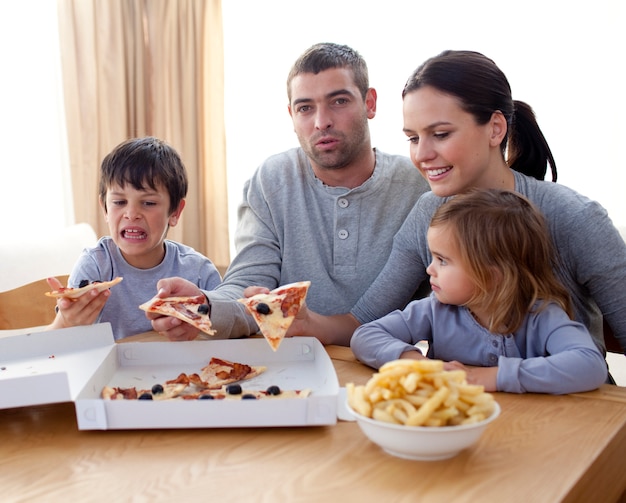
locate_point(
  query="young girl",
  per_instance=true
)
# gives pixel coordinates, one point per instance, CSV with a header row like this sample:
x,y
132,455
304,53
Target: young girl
x,y
496,305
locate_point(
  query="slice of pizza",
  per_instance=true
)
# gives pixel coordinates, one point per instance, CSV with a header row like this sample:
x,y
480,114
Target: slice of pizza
x,y
246,394
274,312
85,286
219,372
216,375
193,310
171,389
110,393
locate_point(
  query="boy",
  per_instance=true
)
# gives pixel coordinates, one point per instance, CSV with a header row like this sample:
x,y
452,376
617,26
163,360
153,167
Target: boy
x,y
142,190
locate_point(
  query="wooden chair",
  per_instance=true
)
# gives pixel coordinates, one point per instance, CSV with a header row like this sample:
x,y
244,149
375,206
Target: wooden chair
x,y
27,306
25,261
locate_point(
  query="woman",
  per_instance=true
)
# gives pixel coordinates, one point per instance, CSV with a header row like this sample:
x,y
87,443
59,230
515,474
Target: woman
x,y
465,130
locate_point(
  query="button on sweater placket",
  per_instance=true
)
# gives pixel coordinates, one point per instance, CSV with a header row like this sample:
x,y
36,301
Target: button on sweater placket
x,y
347,216
343,203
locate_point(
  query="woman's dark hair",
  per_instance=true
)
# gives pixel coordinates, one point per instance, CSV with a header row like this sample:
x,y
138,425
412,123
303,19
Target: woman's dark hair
x,y
143,162
482,89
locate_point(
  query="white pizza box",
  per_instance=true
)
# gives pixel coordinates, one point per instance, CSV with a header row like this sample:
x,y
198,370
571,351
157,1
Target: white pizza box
x,y
74,364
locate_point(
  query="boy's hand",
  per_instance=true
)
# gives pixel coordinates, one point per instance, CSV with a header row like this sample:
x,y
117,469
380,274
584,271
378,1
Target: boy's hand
x,y
75,312
173,328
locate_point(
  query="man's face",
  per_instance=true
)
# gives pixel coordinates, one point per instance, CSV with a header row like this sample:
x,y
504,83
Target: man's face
x,y
330,117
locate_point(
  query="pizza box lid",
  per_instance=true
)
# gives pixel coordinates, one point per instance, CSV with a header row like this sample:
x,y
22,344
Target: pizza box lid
x,y
50,366
75,364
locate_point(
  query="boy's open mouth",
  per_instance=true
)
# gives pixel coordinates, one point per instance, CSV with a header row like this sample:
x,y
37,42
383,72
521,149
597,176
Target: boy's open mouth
x,y
133,234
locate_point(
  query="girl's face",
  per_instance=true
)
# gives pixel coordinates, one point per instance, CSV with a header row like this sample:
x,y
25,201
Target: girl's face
x,y
448,278
450,149
138,222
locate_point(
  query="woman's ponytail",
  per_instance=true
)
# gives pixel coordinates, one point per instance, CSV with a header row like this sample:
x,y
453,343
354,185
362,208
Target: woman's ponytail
x,y
528,151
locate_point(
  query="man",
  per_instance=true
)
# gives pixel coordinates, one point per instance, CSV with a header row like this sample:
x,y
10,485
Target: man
x,y
325,212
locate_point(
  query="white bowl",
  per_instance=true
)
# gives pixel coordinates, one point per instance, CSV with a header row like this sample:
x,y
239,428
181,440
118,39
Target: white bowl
x,y
422,443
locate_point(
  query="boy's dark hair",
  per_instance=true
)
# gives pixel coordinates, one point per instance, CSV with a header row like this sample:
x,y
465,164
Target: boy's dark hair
x,y
325,56
144,162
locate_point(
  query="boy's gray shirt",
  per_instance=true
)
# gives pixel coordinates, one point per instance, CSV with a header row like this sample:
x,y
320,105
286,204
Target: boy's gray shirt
x,y
292,227
105,262
592,257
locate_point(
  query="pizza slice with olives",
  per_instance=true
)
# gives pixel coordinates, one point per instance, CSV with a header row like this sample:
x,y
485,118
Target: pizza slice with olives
x,y
215,375
192,310
84,287
171,389
275,311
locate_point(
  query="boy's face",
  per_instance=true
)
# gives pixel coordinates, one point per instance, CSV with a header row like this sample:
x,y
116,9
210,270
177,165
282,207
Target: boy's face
x,y
138,222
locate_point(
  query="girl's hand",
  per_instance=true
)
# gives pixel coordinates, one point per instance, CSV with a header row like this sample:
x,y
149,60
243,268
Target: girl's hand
x,y
413,354
485,376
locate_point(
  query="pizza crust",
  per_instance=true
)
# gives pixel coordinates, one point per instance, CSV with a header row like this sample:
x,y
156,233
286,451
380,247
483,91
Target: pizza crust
x,y
74,293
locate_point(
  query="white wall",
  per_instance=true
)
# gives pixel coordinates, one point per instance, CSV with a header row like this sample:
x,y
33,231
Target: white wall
x,y
565,59
34,173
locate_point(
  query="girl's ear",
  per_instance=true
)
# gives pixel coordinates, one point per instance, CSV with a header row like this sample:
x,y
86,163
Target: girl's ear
x,y
499,128
174,217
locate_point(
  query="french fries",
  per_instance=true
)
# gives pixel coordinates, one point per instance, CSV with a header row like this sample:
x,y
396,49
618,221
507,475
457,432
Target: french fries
x,y
420,393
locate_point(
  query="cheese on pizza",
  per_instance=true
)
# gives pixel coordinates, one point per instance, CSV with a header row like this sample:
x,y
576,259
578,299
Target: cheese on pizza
x,y
220,372
193,310
214,379
275,311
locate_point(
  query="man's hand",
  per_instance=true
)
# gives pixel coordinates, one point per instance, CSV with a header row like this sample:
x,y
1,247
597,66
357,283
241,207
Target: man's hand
x,y
301,322
251,291
336,329
173,328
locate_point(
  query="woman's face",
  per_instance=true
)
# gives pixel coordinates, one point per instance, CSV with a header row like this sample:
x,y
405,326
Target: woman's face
x,y
450,149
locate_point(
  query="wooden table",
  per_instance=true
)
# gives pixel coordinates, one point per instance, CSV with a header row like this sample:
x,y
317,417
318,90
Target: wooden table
x,y
542,448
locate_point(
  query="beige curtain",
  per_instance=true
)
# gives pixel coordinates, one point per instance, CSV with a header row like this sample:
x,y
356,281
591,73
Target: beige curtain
x,y
149,67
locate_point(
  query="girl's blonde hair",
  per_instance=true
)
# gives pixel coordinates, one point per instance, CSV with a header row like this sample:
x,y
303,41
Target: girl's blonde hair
x,y
505,244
